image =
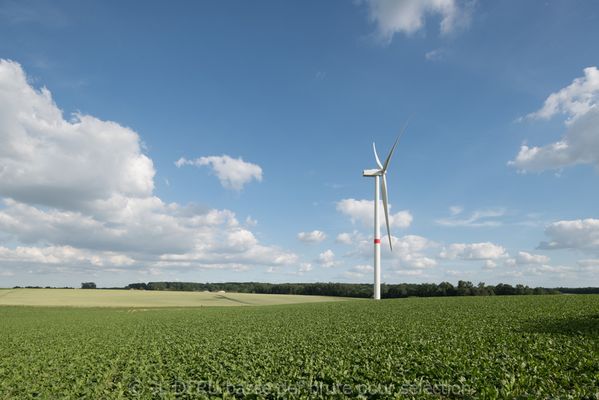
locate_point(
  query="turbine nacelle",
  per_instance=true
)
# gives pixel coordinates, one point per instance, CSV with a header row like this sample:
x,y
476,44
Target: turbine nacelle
x,y
372,172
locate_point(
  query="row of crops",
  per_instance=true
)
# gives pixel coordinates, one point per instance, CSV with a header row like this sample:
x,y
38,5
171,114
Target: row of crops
x,y
509,347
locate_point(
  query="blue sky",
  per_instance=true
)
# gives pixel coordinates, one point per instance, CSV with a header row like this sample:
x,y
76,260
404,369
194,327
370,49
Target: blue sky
x,y
271,107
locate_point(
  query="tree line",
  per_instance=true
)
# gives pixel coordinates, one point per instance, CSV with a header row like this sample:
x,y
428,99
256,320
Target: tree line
x,y
363,290
463,288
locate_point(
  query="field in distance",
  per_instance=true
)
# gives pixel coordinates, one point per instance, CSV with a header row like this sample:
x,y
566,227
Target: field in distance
x,y
146,299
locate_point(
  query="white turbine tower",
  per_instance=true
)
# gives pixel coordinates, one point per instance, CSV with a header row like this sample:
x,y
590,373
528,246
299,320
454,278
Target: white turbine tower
x,y
378,174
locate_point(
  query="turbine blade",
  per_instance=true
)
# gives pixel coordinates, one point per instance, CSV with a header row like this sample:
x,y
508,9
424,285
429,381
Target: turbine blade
x,y
376,156
386,207
393,148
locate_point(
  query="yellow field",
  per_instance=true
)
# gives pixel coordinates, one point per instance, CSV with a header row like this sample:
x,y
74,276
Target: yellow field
x,y
141,298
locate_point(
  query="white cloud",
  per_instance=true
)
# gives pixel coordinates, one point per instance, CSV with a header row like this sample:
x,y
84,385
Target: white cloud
x,y
363,211
63,256
344,238
349,238
409,251
408,16
580,234
304,267
524,258
574,100
473,251
315,236
123,224
510,262
233,173
159,234
81,192
47,160
560,270
478,218
359,271
580,143
327,259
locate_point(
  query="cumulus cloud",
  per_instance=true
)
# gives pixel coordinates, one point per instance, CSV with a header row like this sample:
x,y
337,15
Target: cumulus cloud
x,y
582,234
574,100
327,259
304,267
473,251
344,238
409,251
527,258
580,143
80,191
315,236
408,16
350,238
233,173
47,160
363,211
524,258
122,224
63,256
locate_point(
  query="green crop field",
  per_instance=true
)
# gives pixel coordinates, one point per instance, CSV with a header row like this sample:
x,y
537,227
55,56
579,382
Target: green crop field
x,y
142,298
529,347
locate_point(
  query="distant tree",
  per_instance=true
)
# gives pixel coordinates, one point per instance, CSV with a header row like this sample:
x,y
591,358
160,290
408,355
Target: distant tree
x,y
88,285
504,289
465,288
446,289
138,286
482,290
583,290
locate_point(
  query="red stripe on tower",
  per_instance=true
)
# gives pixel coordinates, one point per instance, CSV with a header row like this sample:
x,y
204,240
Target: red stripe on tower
x,y
377,241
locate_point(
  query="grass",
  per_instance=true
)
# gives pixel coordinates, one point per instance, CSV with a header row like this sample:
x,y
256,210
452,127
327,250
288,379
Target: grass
x,y
528,347
145,299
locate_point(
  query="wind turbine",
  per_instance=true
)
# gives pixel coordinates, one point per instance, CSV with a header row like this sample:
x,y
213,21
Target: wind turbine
x,y
378,174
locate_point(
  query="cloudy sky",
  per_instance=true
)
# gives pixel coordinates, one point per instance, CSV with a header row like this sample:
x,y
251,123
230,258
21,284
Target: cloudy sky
x,y
225,140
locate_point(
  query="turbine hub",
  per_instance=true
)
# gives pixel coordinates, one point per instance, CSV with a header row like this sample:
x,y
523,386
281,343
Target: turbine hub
x,y
372,172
